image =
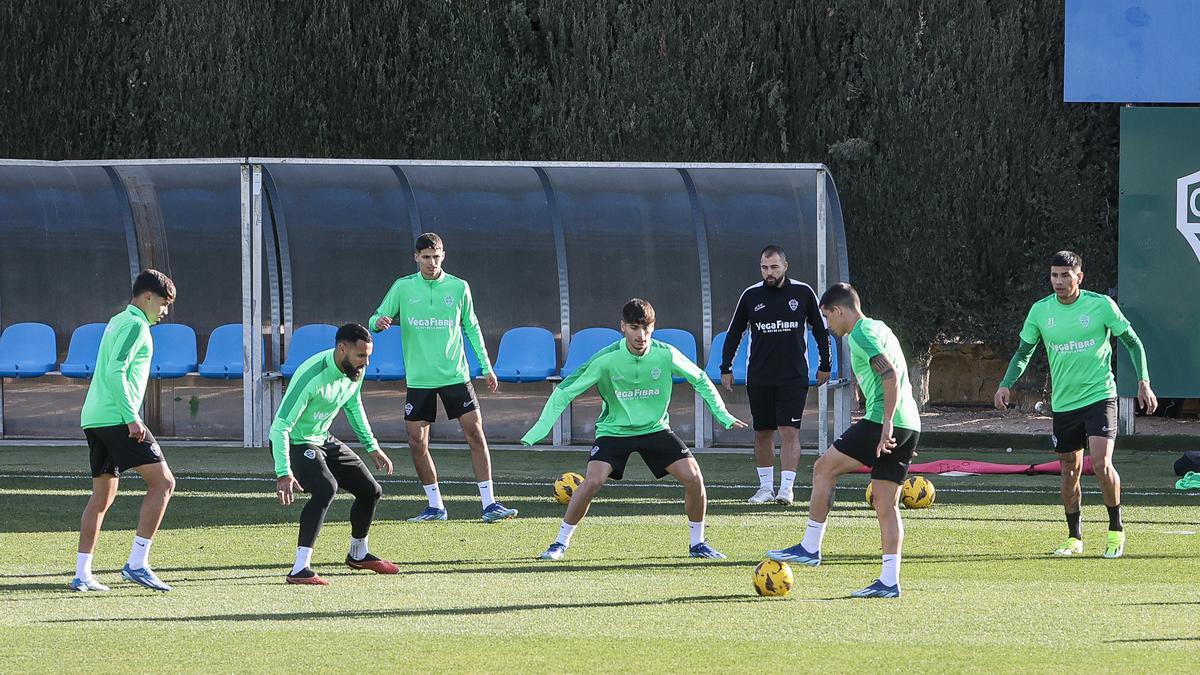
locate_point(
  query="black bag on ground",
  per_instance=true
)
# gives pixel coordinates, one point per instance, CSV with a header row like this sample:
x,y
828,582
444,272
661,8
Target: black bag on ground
x,y
1189,462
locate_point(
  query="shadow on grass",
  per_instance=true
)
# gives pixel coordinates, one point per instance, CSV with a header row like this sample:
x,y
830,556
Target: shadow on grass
x,y
1164,639
446,611
38,586
1166,603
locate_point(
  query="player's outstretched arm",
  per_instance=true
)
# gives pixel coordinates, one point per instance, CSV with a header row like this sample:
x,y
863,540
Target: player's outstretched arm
x,y
1016,367
1137,353
117,372
290,410
356,415
566,391
883,367
820,333
733,338
683,367
388,308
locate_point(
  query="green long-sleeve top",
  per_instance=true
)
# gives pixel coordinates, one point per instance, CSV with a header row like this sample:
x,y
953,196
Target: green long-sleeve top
x,y
433,315
635,390
1076,337
122,369
315,394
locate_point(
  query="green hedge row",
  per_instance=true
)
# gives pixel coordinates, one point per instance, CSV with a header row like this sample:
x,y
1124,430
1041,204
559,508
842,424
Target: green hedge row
x,y
959,166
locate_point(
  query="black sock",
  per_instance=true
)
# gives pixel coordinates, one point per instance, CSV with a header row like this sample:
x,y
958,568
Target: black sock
x,y
1114,519
1073,525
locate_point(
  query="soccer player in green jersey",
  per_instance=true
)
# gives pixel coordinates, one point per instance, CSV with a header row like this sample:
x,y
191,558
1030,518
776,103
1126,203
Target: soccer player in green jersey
x,y
633,376
434,309
117,438
1075,326
885,439
309,458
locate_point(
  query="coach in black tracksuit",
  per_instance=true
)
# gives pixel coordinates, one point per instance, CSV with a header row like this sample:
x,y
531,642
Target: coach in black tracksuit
x,y
776,311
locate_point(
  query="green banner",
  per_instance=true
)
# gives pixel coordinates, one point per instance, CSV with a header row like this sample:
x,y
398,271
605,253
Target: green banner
x,y
1158,264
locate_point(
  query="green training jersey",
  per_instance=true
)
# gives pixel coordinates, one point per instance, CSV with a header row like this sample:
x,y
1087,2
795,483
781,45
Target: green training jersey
x,y
122,369
868,338
1077,345
433,315
635,391
315,394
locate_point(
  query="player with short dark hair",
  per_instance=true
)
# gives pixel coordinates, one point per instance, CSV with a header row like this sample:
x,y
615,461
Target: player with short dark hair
x,y
634,379
776,310
309,458
1076,326
434,310
885,439
117,438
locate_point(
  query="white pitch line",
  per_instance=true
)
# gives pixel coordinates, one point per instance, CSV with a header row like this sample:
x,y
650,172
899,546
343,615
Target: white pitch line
x,y
616,484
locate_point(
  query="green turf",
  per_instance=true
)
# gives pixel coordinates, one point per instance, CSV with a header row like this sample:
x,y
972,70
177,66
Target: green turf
x,y
979,593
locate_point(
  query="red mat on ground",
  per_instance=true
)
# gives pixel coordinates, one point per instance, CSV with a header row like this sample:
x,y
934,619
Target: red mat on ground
x,y
972,467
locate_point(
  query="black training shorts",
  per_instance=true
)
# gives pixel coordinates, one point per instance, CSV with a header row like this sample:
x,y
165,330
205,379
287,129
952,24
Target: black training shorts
x,y
658,450
774,406
113,451
1072,428
859,443
457,399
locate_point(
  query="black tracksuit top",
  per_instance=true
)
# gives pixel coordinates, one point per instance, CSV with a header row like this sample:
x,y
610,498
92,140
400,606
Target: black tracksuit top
x,y
778,338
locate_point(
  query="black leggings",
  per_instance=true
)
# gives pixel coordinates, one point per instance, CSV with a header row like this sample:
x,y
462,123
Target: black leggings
x,y
321,470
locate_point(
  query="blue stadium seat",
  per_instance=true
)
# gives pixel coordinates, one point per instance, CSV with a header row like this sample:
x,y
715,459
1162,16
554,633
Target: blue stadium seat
x,y
739,360
584,344
175,353
306,341
84,348
526,354
387,358
679,339
223,357
814,360
27,350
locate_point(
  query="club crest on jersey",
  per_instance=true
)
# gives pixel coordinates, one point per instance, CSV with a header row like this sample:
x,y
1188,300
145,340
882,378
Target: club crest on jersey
x,y
1050,322
656,373
310,453
449,301
759,307
1085,320
794,304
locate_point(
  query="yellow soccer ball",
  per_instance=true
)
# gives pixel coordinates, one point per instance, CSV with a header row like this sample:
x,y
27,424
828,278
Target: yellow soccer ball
x,y
917,493
566,485
773,579
870,496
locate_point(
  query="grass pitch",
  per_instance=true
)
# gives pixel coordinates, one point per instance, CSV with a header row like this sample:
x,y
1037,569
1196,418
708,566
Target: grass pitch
x,y
980,593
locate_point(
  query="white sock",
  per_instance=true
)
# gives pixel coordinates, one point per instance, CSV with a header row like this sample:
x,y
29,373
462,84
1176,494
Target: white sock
x,y
83,566
564,533
891,569
303,558
696,532
358,548
138,553
766,478
813,534
485,493
786,480
434,495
